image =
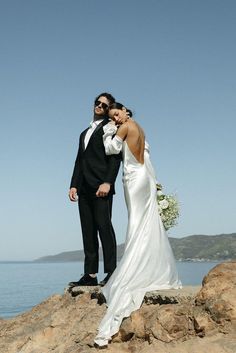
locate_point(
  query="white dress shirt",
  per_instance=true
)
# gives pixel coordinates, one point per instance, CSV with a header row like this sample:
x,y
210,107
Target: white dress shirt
x,y
90,131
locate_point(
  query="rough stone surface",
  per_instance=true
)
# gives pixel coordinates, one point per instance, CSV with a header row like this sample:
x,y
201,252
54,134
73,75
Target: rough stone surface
x,y
172,296
218,294
196,320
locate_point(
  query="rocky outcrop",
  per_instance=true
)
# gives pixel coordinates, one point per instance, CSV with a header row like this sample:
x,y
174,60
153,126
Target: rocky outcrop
x,y
196,320
218,294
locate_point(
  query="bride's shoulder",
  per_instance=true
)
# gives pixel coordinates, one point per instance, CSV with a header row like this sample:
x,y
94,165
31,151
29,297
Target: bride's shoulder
x,y
123,127
134,125
128,126
131,123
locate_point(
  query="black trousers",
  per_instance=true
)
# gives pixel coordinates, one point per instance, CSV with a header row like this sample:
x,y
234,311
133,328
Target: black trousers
x,y
95,217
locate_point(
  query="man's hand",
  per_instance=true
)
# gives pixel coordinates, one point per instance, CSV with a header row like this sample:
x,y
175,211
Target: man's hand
x,y
73,194
103,190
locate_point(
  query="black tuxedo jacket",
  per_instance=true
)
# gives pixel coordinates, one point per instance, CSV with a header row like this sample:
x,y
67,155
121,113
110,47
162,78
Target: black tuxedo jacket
x,y
92,165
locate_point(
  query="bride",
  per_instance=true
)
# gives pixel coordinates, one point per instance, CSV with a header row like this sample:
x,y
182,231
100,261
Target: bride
x,y
148,263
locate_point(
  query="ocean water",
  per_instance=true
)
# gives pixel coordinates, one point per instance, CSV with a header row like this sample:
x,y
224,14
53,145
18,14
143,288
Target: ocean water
x,y
25,284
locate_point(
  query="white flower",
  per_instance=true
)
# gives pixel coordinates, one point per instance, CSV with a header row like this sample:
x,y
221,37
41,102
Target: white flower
x,y
164,204
168,208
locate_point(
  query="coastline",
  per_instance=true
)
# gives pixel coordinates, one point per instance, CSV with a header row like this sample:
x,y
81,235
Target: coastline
x,y
197,319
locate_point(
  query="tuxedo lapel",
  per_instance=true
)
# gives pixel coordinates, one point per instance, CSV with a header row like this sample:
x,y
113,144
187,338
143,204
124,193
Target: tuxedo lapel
x,y
98,127
82,139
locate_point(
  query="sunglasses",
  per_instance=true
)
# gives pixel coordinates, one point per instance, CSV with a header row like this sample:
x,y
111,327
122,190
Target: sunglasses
x,y
104,105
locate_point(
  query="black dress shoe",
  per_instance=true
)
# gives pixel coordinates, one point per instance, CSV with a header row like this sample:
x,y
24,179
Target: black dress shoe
x,y
106,279
86,280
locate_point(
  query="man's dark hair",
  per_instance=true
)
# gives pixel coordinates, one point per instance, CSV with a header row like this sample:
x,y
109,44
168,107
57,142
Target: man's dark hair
x,y
108,96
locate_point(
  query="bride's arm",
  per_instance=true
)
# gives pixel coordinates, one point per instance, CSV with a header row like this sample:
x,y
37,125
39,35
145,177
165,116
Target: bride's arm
x,y
113,145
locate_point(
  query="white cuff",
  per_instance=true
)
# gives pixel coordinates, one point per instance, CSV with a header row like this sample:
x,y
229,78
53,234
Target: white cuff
x,y
109,129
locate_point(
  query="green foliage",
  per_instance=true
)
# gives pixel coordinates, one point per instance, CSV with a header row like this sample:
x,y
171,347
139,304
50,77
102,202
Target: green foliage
x,y
191,248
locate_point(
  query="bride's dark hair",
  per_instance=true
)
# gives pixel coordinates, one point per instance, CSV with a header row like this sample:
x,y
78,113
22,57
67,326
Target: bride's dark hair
x,y
119,106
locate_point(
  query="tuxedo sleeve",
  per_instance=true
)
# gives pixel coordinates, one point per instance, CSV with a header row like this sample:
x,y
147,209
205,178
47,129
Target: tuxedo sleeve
x,y
113,168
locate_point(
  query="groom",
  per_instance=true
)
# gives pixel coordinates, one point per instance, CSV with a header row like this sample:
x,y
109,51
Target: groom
x,y
93,181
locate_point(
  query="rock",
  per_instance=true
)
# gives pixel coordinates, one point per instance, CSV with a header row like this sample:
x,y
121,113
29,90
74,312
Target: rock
x,y
168,296
165,323
202,323
172,296
82,289
218,293
173,321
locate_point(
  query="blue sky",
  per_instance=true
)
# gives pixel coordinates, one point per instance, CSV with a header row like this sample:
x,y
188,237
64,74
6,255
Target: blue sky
x,y
172,62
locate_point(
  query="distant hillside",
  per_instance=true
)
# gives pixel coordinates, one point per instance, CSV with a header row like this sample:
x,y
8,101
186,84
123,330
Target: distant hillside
x,y
77,255
205,247
191,248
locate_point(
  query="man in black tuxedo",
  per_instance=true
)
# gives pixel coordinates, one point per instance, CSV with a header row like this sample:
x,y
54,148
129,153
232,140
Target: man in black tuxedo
x,y
93,181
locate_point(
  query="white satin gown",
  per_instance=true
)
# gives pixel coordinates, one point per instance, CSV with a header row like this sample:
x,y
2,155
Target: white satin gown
x,y
148,263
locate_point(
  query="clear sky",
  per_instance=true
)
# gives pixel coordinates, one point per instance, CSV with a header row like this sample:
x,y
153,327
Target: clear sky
x,y
172,61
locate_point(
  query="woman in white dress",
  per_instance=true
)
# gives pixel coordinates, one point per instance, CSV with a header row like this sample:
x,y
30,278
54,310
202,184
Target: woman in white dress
x,y
148,263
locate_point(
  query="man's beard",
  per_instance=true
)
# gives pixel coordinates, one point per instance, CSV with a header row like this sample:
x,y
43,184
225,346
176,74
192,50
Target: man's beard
x,y
99,117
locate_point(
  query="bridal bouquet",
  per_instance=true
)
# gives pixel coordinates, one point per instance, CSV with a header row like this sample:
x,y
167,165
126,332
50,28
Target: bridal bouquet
x,y
168,207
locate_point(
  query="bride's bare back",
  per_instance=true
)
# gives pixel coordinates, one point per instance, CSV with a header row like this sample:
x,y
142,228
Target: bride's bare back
x,y
134,136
